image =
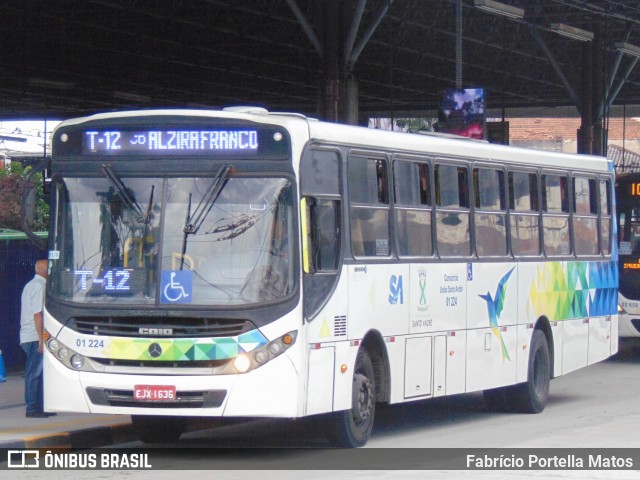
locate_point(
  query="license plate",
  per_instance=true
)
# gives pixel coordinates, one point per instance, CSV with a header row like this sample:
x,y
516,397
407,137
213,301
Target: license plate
x,y
154,393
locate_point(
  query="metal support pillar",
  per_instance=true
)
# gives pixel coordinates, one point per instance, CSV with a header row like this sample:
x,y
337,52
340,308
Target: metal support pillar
x,y
339,49
585,132
592,135
329,92
599,146
459,44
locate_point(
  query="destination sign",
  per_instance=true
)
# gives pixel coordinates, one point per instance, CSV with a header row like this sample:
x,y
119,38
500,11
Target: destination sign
x,y
634,189
167,142
113,280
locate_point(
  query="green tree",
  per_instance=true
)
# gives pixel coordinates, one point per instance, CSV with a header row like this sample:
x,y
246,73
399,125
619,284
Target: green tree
x,y
12,183
415,125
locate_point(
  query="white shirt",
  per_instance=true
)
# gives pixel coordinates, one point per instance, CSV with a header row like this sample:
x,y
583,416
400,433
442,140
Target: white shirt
x,y
32,303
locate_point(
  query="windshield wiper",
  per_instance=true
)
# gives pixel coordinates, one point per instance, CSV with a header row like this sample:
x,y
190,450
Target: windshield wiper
x,y
195,221
192,223
123,191
185,234
147,218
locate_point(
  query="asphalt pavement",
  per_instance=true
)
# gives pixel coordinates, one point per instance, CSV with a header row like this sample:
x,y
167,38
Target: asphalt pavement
x,y
65,430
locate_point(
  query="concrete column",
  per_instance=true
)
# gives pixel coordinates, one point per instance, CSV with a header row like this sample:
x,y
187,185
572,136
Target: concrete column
x,y
328,99
349,108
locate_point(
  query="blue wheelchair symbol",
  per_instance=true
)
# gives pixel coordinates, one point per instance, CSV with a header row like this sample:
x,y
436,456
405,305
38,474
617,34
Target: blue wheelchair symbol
x,y
176,286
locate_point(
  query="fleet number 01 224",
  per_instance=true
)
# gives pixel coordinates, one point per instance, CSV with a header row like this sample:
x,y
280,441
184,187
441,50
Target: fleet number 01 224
x,y
89,343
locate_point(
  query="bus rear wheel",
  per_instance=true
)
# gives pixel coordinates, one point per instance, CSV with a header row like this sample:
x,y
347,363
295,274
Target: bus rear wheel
x,y
532,395
157,429
352,428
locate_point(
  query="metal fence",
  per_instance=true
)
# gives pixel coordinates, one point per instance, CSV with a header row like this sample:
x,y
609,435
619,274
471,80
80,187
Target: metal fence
x,y
17,263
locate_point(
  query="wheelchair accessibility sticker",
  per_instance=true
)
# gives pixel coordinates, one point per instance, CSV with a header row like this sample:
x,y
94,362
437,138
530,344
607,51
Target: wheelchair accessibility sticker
x,y
176,286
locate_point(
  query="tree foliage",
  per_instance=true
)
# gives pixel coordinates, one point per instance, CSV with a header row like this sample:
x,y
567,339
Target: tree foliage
x,y
12,183
415,125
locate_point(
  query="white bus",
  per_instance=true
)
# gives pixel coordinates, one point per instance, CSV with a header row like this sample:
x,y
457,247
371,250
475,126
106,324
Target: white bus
x,y
241,263
627,188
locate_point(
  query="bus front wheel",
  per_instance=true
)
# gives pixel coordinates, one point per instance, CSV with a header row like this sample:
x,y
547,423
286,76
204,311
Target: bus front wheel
x,y
352,428
157,429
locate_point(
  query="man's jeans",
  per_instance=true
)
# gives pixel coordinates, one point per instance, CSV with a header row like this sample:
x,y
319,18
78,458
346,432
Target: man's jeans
x,y
33,378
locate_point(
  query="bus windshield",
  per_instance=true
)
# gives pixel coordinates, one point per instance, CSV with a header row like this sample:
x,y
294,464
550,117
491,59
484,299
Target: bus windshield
x,y
629,220
219,241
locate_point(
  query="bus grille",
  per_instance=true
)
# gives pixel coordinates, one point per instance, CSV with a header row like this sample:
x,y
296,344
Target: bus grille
x,y
124,398
192,364
173,327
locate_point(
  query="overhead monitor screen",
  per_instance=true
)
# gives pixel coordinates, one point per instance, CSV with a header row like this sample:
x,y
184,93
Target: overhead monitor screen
x,y
462,113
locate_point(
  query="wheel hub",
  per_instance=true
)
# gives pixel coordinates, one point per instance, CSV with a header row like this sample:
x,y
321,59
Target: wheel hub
x,y
362,398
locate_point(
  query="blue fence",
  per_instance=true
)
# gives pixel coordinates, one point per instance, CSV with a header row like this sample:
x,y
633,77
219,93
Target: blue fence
x,y
17,263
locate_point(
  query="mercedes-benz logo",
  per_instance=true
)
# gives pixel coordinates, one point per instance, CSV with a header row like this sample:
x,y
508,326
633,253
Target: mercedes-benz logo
x,y
155,350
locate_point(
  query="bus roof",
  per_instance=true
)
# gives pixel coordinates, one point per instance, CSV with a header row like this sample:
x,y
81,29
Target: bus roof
x,y
430,145
446,146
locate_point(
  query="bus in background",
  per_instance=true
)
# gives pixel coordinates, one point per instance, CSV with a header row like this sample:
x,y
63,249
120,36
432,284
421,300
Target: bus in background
x,y
241,263
628,213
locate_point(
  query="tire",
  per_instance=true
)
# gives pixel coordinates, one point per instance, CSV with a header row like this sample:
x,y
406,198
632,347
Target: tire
x,y
532,395
352,428
157,429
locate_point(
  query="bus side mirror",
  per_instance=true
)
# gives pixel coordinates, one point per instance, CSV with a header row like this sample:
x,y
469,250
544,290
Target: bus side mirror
x,y
320,225
305,216
29,202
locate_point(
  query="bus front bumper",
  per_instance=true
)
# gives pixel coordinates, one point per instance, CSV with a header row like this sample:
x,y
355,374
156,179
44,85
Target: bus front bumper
x,y
269,391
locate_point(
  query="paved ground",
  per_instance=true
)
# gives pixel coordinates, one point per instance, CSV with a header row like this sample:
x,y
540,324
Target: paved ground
x,y
68,430
78,430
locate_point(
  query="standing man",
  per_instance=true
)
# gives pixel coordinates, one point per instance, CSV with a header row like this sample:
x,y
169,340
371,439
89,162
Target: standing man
x,y
31,340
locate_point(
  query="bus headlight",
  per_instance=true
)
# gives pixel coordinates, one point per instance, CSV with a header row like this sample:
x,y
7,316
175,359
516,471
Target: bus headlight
x,y
261,356
275,348
77,361
258,357
242,363
53,345
68,356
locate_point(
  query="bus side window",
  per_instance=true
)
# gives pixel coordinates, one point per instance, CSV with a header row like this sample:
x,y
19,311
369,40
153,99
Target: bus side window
x,y
452,210
369,206
605,217
490,213
412,181
585,218
524,206
555,218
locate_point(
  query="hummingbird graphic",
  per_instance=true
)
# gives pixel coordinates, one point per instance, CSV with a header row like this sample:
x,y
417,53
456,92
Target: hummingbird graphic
x,y
495,306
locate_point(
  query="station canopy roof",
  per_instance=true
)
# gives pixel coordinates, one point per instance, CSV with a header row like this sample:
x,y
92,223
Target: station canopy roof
x,y
63,58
